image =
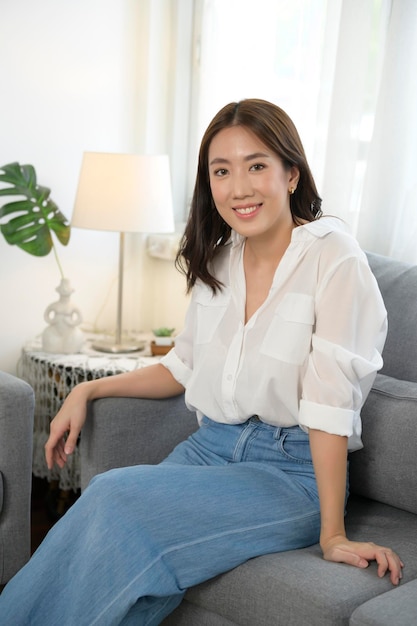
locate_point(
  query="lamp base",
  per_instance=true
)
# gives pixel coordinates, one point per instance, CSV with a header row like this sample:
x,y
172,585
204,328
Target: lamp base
x,y
118,348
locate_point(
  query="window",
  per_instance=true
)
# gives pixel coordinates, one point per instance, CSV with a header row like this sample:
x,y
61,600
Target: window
x,y
320,60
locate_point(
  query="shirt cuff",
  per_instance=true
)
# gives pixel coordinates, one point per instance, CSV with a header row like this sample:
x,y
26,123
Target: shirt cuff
x,y
330,419
178,369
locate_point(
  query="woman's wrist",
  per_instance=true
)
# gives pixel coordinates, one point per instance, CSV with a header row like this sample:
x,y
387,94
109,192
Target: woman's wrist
x,y
86,390
327,539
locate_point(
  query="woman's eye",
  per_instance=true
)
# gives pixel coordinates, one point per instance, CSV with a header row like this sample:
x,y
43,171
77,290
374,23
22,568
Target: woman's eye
x,y
220,172
257,167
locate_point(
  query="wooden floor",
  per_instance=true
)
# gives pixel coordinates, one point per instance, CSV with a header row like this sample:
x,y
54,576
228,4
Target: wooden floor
x,y
48,505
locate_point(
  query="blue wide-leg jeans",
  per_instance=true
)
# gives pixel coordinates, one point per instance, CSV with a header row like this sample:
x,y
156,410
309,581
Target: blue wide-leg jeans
x,y
138,537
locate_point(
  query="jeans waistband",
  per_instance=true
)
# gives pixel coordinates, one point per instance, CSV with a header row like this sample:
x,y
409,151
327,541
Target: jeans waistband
x,y
255,419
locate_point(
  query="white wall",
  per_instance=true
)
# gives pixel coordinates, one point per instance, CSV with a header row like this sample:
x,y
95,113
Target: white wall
x,y
70,82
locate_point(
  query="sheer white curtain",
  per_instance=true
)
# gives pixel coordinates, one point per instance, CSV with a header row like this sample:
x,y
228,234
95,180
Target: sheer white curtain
x,y
352,95
342,69
388,218
163,68
271,49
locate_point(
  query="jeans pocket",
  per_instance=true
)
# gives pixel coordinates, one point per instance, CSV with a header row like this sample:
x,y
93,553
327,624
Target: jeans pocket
x,y
296,447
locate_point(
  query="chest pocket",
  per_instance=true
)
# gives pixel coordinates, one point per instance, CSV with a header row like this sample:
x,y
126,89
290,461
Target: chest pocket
x,y
210,311
288,337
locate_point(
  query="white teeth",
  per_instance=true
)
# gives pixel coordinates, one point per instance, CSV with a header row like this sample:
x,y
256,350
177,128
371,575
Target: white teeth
x,y
248,210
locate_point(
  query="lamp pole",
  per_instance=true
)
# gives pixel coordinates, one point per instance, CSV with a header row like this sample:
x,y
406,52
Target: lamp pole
x,y
118,347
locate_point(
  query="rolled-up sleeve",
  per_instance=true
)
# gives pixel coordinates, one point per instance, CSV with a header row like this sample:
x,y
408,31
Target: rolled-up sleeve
x,y
349,335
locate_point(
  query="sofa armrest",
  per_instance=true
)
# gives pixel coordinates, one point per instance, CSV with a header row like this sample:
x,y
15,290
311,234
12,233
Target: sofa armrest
x,y
17,404
130,431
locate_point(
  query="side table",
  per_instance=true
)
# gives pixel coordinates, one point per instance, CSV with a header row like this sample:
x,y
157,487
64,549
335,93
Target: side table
x,y
52,377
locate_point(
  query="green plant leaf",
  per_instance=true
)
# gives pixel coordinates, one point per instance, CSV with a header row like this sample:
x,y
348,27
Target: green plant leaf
x,y
33,219
163,332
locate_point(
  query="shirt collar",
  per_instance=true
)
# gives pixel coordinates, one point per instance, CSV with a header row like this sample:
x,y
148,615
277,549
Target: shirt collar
x,y
320,228
236,239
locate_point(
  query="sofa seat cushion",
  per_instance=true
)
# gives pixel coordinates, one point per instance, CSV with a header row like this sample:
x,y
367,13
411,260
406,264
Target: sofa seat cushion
x,y
385,469
299,587
188,614
396,607
1,492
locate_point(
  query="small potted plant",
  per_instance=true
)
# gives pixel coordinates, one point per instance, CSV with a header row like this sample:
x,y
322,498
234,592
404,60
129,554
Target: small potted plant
x,y
163,341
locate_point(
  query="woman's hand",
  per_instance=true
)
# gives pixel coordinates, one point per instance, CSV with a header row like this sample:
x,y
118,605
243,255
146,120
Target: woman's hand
x,y
329,454
153,381
66,427
340,550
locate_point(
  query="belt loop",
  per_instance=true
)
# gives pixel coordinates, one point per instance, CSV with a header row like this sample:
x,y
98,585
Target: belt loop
x,y
278,431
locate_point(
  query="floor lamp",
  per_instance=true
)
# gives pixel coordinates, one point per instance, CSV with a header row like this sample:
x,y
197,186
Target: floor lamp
x,y
123,193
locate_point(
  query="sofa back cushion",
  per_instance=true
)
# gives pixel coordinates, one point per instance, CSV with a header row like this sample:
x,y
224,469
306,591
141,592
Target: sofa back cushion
x,y
398,284
386,468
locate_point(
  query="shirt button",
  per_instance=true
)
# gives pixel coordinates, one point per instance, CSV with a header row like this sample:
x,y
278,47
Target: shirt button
x,y
229,377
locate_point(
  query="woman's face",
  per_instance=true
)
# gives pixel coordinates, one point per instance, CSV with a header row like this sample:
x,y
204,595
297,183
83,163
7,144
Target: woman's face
x,y
249,184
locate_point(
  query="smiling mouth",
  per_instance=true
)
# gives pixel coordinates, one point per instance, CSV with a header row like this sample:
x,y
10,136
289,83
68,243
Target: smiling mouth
x,y
248,210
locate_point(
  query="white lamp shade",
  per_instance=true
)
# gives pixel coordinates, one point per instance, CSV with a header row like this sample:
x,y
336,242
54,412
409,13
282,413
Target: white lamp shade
x,y
124,193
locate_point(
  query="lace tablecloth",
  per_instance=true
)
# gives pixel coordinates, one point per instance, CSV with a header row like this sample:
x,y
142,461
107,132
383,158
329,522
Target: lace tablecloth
x,y
52,377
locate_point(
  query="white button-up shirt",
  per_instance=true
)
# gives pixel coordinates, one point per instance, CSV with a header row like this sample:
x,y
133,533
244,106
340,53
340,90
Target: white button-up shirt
x,y
310,353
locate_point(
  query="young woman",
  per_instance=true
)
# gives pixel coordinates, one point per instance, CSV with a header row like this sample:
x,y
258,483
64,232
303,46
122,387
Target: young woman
x,y
281,345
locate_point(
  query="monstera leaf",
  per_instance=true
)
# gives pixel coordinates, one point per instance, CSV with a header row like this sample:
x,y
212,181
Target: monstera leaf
x,y
35,216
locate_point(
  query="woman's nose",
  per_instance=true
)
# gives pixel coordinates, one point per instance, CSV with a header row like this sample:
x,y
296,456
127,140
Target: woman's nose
x,y
242,186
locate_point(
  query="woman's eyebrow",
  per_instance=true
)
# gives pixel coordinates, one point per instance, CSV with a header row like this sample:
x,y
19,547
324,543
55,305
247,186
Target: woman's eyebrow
x,y
256,155
249,157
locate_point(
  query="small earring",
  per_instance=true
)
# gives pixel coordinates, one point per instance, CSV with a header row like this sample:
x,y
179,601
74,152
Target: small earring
x,y
291,190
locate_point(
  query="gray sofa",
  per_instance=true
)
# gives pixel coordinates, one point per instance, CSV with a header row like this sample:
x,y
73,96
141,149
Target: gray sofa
x,y
16,431
299,588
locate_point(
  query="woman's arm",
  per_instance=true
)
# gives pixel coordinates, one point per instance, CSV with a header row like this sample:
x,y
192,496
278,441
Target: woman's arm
x,y
154,381
329,453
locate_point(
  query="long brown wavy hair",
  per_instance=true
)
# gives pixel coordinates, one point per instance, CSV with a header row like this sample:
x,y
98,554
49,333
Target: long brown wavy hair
x,y
206,232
